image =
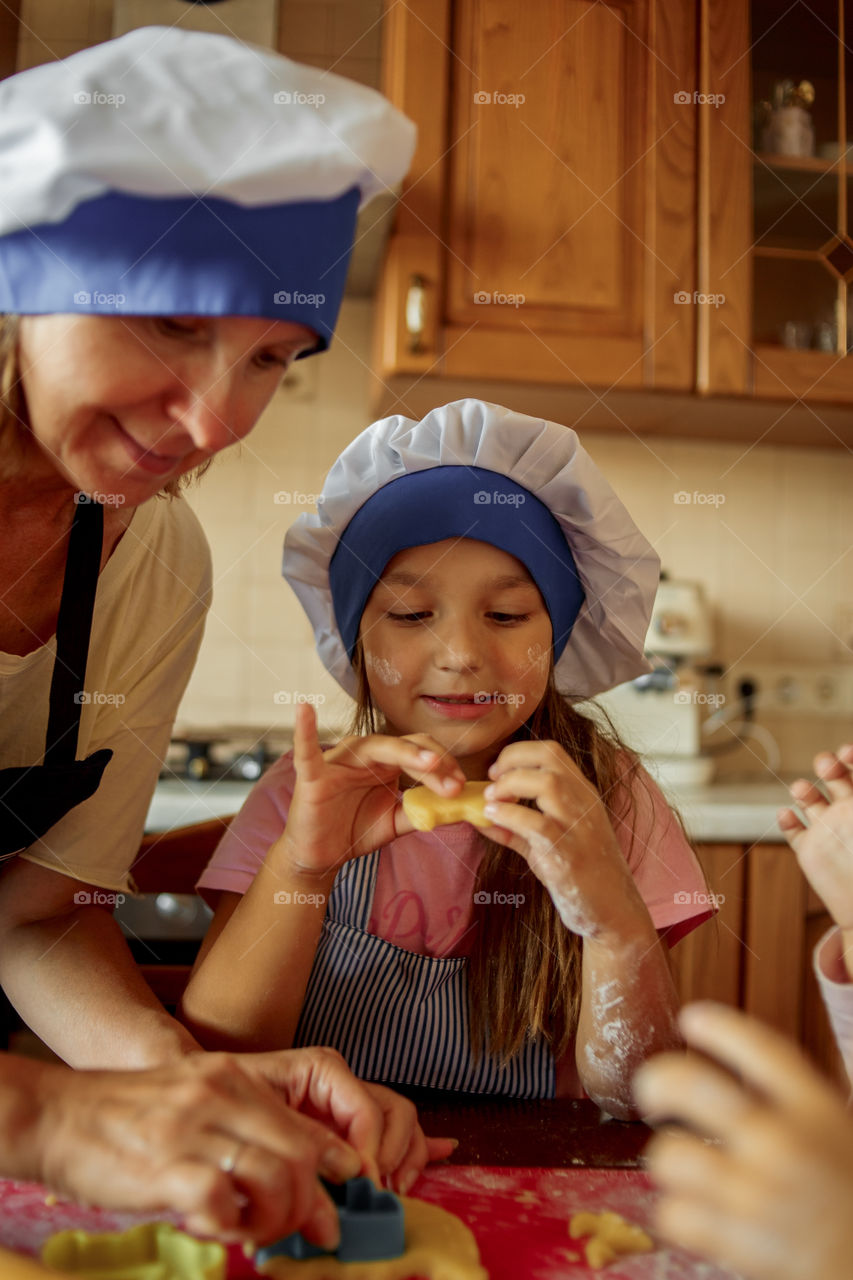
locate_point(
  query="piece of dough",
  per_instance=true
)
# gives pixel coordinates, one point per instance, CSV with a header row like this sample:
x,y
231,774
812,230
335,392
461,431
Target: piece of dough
x,y
610,1236
148,1251
426,810
438,1246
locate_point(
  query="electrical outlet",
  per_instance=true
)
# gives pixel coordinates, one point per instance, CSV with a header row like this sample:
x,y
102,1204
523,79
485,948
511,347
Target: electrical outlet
x,y
795,689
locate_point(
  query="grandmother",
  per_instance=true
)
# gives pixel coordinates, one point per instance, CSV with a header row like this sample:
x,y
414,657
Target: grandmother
x,y
176,220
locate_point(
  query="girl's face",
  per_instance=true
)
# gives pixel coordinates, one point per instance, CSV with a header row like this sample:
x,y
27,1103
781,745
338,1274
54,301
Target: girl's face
x,y
457,644
121,405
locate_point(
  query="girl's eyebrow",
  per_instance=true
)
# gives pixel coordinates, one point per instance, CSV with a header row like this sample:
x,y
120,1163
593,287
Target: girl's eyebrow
x,y
400,578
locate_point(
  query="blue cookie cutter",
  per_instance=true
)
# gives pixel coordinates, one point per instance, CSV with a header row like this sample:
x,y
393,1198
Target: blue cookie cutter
x,y
372,1227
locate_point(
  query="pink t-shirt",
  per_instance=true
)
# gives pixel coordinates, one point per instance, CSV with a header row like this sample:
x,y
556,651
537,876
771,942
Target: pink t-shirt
x,y
425,883
423,898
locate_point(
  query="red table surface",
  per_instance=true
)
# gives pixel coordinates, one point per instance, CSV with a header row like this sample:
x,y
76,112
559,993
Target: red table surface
x,y
519,1216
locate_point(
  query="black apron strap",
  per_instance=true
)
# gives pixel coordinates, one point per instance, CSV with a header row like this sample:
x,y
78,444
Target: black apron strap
x,y
73,630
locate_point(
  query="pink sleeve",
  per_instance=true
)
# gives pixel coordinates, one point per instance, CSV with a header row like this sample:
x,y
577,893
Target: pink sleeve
x,y
258,825
837,991
663,864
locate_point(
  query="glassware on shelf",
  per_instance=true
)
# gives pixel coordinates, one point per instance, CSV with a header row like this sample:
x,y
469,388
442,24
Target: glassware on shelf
x,y
786,122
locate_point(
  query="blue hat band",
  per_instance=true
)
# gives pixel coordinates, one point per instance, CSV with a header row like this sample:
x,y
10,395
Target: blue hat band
x,y
454,502
144,255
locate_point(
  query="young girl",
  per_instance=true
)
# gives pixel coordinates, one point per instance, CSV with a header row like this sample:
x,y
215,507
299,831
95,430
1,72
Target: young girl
x,y
461,570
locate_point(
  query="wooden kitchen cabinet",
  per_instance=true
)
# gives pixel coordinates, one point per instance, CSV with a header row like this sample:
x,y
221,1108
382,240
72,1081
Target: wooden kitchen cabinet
x,y
708,963
774,236
547,226
757,953
612,251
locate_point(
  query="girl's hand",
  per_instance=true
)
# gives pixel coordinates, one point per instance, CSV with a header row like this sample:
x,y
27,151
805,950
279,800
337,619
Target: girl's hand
x,y
568,841
824,845
771,1199
345,799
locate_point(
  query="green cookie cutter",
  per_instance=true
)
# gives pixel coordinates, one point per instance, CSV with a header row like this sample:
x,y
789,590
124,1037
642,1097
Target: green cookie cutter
x,y
151,1251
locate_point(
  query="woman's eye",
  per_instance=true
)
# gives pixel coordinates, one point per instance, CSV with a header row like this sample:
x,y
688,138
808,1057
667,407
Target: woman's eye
x,y
409,617
267,360
509,617
168,324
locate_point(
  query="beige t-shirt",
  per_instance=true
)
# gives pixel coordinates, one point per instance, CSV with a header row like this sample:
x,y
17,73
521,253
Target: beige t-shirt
x,y
153,596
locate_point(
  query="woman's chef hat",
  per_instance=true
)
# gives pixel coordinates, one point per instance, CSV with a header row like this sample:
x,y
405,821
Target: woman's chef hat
x,y
475,470
180,173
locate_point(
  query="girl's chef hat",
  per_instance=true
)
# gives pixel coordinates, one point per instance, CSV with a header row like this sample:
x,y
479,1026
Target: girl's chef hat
x,y
475,470
175,172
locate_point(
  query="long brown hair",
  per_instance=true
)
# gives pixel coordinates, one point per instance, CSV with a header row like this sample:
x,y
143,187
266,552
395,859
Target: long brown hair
x,y
525,966
14,417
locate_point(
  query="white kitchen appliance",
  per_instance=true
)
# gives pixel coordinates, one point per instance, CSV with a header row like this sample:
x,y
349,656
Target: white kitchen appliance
x,y
661,714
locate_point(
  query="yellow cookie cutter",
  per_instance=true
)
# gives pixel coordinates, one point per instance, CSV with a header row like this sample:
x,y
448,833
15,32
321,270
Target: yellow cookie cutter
x,y
151,1251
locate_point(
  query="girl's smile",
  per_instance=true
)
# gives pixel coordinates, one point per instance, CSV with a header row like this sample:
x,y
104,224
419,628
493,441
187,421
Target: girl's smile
x,y
463,627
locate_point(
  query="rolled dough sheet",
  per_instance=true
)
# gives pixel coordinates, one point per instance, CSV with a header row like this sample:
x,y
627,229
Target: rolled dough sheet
x,y
438,1247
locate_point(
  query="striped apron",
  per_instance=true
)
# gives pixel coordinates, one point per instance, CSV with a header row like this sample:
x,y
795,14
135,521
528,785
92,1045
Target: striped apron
x,y
397,1016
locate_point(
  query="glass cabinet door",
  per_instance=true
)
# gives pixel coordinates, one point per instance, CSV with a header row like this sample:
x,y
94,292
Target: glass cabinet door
x,y
802,250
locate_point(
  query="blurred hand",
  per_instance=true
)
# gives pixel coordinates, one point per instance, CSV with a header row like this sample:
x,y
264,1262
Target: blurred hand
x,y
772,1197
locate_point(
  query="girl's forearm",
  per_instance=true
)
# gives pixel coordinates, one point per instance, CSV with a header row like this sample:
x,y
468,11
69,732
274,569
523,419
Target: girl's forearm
x,y
628,1010
247,992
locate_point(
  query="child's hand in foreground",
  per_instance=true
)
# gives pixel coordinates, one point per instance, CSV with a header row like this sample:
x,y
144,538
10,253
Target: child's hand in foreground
x,y
567,840
345,800
824,846
772,1199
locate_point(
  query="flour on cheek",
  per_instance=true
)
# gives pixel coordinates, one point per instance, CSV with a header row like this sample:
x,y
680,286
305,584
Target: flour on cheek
x,y
539,659
384,670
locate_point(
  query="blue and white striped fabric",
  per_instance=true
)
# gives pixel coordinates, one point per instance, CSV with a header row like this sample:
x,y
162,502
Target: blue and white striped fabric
x,y
397,1016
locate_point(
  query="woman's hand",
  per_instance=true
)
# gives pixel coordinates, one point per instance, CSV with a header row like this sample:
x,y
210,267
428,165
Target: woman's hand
x,y
771,1199
567,840
211,1137
382,1126
345,800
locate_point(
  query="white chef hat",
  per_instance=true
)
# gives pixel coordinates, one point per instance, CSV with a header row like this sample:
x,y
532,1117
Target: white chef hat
x,y
476,470
175,172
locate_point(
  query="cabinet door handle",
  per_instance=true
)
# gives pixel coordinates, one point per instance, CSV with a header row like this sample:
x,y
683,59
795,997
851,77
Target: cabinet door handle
x,y
416,313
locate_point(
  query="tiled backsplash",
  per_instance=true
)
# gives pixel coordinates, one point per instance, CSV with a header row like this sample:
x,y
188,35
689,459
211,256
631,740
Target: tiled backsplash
x,y
768,531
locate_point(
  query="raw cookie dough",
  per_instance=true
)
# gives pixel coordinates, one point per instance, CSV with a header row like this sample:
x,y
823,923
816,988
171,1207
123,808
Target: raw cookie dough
x,y
438,1247
149,1251
426,810
610,1237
